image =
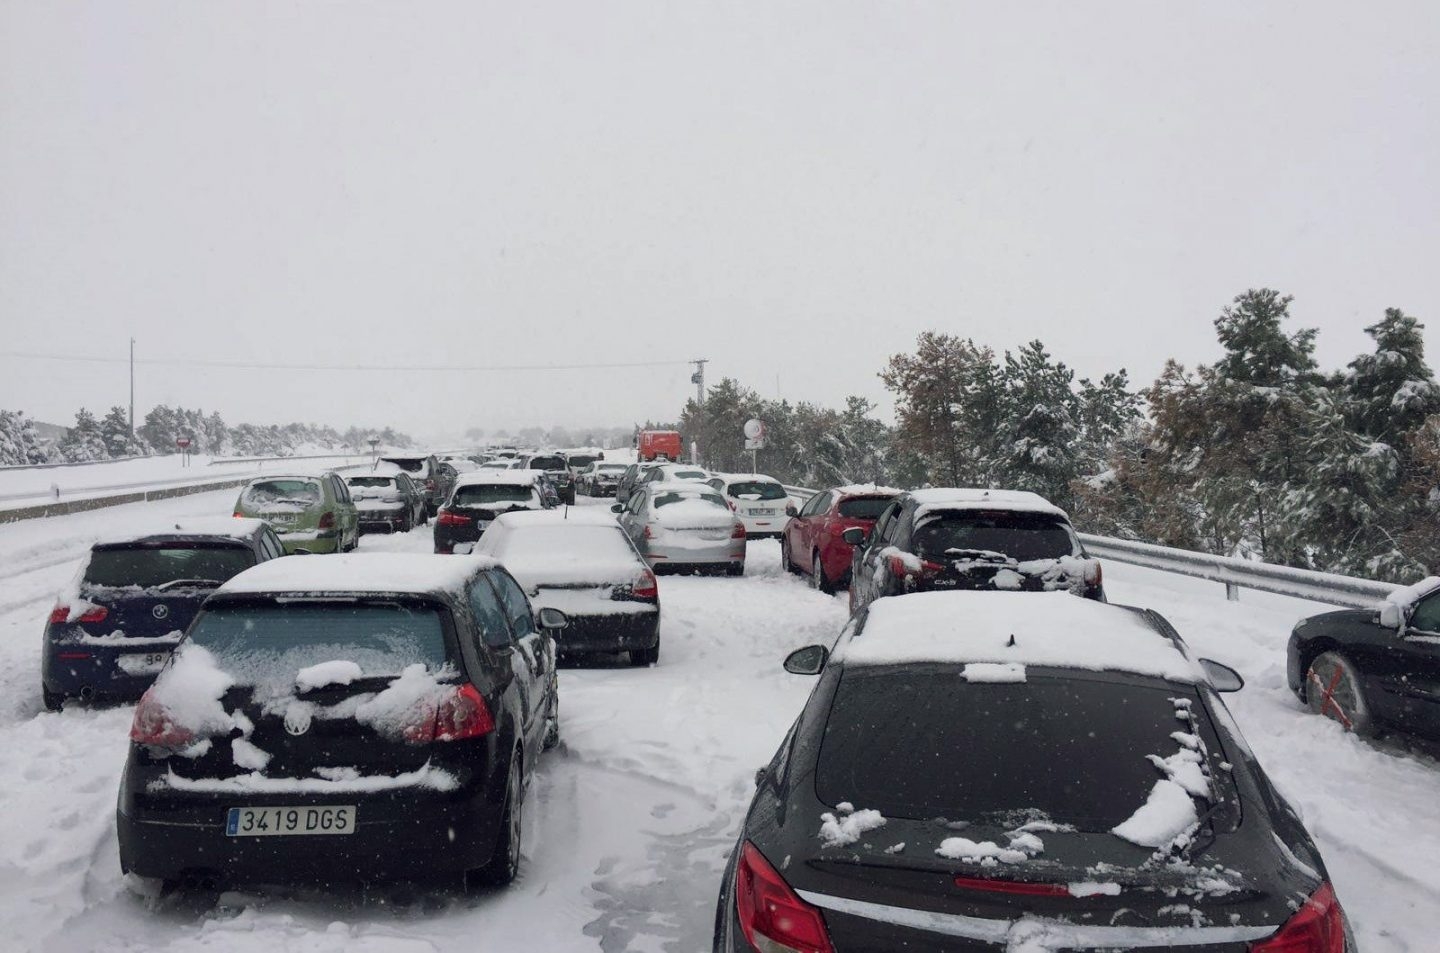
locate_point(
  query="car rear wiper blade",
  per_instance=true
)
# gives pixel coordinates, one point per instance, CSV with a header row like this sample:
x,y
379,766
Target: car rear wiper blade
x,y
189,583
986,554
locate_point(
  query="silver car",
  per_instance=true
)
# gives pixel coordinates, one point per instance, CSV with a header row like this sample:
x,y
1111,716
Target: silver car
x,y
684,527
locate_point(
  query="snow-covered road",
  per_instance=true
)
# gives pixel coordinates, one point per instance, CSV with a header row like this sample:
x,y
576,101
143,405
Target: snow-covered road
x,y
629,820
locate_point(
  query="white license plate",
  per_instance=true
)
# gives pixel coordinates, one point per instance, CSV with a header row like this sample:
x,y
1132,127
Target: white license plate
x,y
289,821
146,663
762,512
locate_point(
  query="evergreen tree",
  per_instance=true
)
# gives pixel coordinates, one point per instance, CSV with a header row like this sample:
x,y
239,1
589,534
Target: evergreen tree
x,y
1039,427
947,406
84,441
20,442
115,432
1392,391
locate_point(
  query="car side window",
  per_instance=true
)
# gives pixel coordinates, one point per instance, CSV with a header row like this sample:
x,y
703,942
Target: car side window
x,y
902,528
270,547
882,525
1426,617
817,504
517,607
489,614
403,482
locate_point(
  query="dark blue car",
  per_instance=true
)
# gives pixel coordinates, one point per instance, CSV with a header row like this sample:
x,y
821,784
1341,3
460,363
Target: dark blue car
x,y
109,636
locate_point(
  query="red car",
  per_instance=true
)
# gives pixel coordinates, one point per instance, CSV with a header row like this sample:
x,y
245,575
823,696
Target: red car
x,y
811,543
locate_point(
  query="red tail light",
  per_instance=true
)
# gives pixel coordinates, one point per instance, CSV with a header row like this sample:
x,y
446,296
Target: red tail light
x,y
462,713
772,917
154,725
1013,887
1317,927
733,507
327,521
1093,575
646,534
931,568
738,532
61,614
430,485
898,569
451,518
239,515
645,586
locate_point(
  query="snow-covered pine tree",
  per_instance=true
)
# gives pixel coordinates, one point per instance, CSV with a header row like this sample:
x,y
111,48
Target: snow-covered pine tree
x,y
84,441
1392,391
1039,429
115,432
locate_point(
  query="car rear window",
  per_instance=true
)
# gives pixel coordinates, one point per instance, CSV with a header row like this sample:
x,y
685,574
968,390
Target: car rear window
x,y
261,642
1021,536
582,459
485,494
371,481
547,463
757,490
686,475
923,744
408,464
150,566
665,499
864,507
283,493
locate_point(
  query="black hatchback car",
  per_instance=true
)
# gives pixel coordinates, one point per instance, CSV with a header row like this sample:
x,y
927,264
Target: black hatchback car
x,y
955,538
557,469
108,637
1373,669
362,718
997,772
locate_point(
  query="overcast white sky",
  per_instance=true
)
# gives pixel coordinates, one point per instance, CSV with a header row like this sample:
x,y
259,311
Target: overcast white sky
x,y
793,190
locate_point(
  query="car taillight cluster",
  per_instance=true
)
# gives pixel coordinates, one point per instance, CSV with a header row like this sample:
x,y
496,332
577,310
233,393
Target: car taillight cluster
x,y
461,713
327,521
1317,927
61,615
155,726
771,916
1093,575
738,532
451,518
645,586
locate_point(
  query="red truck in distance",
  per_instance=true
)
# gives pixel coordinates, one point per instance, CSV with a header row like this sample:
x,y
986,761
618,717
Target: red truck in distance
x,y
658,445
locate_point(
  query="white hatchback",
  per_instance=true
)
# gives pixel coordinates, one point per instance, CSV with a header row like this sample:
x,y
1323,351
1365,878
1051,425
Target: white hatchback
x,y
760,501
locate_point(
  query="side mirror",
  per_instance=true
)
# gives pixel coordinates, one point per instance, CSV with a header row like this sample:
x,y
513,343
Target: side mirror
x,y
855,536
617,507
553,619
1223,677
463,549
807,661
1392,616
790,510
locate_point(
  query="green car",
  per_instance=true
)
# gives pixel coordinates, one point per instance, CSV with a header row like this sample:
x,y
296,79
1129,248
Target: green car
x,y
310,514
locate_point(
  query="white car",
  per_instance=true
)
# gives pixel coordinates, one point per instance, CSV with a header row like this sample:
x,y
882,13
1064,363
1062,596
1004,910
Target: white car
x,y
762,504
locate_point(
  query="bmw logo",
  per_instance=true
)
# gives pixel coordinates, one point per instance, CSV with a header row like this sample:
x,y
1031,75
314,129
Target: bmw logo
x,y
160,611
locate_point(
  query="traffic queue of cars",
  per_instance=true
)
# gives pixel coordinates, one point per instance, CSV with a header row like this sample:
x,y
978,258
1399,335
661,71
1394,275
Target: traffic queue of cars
x,y
987,760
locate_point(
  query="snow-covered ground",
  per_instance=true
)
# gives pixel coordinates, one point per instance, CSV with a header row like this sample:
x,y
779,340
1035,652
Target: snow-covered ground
x,y
630,819
27,486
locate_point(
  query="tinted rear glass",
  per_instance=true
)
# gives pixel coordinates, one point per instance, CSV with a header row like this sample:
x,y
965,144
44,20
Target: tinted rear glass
x,y
581,459
547,463
283,493
371,481
686,475
484,494
864,508
409,465
665,499
1021,536
758,490
264,642
154,566
923,743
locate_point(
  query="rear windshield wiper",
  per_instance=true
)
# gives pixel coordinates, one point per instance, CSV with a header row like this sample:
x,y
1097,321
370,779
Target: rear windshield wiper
x,y
189,584
986,554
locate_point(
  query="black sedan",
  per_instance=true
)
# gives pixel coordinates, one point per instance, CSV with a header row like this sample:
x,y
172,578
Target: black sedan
x,y
362,718
1037,773
1373,669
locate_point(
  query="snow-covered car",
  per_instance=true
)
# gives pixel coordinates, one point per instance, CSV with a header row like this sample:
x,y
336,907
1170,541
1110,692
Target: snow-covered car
x,y
426,470
387,499
113,629
960,538
311,513
478,498
629,480
554,465
1373,669
367,717
601,478
583,563
684,527
814,543
675,473
1007,771
760,501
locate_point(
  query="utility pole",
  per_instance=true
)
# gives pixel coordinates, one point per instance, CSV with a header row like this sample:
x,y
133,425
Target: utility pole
x,y
698,379
132,388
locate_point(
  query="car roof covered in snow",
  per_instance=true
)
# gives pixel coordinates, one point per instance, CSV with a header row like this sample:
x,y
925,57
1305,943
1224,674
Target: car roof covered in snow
x,y
316,475
1054,629
867,489
688,487
358,573
499,478
380,468
744,478
969,498
562,516
226,527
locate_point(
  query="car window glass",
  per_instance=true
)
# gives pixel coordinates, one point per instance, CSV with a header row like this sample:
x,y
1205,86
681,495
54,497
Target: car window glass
x,y
270,544
882,526
517,607
1021,536
817,504
489,614
1426,616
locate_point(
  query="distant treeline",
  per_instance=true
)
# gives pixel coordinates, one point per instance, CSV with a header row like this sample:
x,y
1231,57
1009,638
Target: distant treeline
x,y
1260,454
93,438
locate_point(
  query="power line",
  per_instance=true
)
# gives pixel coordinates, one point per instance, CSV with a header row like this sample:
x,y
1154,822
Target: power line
x,y
258,365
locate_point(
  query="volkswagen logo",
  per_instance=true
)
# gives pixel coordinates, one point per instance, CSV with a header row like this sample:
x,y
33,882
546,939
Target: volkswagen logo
x,y
297,719
160,611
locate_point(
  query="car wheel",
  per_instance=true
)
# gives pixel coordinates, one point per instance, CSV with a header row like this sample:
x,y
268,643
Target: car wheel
x,y
735,569
54,701
1333,689
504,863
817,574
407,524
640,658
785,563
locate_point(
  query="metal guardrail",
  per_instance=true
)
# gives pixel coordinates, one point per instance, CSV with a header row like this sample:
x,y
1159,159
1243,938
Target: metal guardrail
x,y
1234,574
86,504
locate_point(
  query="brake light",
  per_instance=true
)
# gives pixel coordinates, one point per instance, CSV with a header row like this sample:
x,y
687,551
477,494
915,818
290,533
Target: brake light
x,y
1317,927
239,515
931,568
61,615
738,532
1012,887
461,713
327,521
771,916
154,725
645,586
733,507
898,568
1093,574
451,518
645,533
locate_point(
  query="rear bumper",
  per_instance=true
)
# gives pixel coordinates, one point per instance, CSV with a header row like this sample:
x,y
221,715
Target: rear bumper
x,y
98,674
609,633
382,520
728,552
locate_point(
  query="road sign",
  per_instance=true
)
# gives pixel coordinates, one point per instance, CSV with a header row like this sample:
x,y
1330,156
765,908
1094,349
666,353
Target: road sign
x,y
182,442
754,434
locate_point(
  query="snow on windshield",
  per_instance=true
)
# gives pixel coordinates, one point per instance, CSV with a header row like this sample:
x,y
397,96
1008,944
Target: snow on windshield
x,y
284,493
